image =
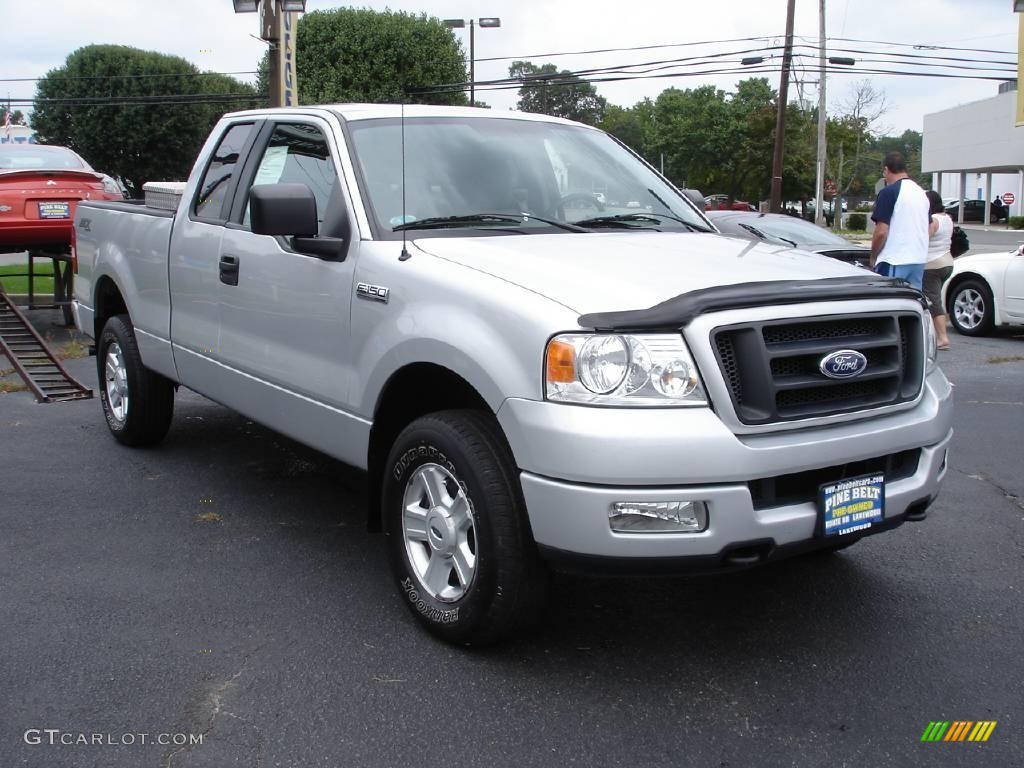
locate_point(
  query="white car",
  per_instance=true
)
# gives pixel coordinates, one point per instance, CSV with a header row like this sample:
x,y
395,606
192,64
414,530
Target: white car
x,y
986,290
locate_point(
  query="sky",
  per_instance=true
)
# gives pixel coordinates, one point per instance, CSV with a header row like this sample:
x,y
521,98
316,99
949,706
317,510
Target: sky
x,y
210,34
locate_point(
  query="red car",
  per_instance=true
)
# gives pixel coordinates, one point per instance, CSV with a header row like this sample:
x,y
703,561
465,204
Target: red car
x,y
723,203
39,189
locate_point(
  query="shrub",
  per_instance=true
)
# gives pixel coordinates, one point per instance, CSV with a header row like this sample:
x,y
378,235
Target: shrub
x,y
858,222
1015,222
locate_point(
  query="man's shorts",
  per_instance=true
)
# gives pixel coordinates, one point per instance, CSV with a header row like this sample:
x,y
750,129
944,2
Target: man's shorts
x,y
912,273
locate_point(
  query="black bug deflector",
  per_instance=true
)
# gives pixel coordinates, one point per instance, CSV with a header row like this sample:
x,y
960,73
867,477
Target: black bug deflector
x,y
681,310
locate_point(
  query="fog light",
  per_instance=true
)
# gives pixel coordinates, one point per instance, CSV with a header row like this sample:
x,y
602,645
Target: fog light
x,y
658,516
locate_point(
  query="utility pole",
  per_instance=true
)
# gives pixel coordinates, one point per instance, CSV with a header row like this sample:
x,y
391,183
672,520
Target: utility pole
x,y
819,183
775,203
472,64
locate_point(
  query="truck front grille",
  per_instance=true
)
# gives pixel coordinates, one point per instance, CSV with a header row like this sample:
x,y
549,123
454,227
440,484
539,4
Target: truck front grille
x,y
771,368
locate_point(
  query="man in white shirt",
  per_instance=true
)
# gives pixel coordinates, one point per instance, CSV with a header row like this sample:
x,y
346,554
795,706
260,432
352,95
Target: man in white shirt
x,y
899,246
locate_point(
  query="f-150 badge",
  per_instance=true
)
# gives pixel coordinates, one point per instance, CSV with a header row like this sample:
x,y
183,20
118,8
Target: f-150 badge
x,y
372,292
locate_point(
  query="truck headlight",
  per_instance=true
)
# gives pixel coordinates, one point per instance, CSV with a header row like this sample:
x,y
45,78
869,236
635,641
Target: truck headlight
x,y
622,370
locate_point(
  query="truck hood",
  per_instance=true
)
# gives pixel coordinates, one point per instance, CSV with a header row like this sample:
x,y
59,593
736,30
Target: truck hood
x,y
606,272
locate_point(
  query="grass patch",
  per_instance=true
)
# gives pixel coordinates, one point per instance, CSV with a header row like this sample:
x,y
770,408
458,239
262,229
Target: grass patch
x,y
73,350
1006,359
208,517
19,285
12,386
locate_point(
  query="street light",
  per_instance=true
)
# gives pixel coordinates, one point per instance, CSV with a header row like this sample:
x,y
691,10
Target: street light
x,y
276,29
486,22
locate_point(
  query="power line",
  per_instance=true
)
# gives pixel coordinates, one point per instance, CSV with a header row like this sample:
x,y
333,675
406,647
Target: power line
x,y
121,77
920,45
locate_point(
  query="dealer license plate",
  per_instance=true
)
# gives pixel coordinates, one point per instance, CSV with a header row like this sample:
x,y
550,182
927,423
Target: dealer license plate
x,y
851,505
54,210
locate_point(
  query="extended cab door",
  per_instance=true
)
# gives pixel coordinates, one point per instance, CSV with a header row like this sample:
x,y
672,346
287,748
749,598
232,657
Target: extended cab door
x,y
193,254
284,315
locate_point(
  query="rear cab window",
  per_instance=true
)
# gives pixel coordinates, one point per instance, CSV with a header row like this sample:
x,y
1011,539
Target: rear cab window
x,y
216,183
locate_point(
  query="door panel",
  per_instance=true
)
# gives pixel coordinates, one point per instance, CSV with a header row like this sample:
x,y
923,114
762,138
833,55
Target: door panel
x,y
286,322
1014,301
193,255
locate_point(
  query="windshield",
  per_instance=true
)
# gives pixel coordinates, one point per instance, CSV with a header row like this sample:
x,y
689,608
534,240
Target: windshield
x,y
36,156
783,228
461,166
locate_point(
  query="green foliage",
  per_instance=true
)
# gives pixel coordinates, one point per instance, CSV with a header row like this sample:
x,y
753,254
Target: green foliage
x,y
717,142
548,91
140,142
857,222
17,117
359,55
633,126
1015,222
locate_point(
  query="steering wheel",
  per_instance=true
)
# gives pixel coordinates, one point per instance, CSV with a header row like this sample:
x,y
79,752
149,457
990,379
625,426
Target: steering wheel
x,y
586,199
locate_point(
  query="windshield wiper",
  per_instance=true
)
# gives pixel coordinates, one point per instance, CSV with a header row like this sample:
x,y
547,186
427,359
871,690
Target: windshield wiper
x,y
763,236
481,219
625,221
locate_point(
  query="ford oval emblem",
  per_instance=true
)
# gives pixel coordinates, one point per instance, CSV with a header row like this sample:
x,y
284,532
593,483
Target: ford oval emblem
x,y
843,364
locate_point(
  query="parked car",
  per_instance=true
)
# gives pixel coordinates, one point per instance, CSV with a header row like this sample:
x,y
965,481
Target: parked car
x,y
40,186
986,290
974,210
525,389
780,229
726,203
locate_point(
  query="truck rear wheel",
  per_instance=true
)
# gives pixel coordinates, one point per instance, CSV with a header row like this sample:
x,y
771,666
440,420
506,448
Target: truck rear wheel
x,y
137,403
462,553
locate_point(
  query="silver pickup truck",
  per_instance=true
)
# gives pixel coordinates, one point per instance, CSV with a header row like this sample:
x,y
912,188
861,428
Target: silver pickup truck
x,y
540,351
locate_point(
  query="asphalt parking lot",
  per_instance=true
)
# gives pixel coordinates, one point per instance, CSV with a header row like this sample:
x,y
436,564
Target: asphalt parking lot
x,y
223,584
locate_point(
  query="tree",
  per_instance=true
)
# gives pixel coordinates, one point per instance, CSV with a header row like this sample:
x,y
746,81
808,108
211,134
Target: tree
x,y
633,126
562,94
157,138
17,118
850,133
353,55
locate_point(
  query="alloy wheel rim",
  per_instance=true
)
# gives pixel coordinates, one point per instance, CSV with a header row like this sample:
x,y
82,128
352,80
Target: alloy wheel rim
x,y
969,308
439,532
116,382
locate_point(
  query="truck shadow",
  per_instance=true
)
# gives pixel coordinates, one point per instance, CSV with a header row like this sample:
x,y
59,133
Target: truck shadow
x,y
800,608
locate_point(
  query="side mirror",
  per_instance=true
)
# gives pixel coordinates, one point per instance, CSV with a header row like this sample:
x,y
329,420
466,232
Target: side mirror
x,y
283,210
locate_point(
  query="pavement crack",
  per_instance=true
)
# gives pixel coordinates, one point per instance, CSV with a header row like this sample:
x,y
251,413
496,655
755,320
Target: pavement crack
x,y
982,477
215,698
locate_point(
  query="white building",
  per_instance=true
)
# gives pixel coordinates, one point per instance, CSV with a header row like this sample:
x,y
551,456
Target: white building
x,y
20,134
975,151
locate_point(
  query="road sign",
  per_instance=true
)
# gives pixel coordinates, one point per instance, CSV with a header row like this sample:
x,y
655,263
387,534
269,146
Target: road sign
x,y
1008,198
830,187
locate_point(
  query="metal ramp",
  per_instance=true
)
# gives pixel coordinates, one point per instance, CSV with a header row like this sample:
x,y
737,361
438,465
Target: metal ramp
x,y
33,360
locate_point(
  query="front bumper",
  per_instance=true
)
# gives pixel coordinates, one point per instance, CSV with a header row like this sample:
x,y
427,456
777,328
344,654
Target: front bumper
x,y
577,461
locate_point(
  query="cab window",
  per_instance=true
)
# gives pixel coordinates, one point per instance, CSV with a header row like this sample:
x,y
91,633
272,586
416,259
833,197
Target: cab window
x,y
213,189
298,153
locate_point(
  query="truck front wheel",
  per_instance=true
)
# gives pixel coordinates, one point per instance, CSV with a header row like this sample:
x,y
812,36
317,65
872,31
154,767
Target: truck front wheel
x,y
137,403
462,553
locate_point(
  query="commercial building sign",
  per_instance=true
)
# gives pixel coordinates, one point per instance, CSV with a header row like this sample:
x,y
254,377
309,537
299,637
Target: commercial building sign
x,y
286,51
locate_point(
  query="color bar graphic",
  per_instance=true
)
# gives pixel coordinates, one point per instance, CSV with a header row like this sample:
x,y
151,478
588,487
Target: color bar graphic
x,y
958,730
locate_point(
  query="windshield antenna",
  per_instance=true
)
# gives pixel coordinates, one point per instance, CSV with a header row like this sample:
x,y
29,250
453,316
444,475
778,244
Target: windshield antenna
x,y
405,255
